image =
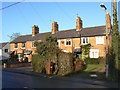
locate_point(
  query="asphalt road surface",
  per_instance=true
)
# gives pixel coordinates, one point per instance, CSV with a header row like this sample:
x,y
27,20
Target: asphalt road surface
x,y
16,80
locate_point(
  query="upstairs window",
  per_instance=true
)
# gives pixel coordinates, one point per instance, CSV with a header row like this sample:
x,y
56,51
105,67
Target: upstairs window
x,y
62,42
68,42
33,44
23,45
58,43
84,40
99,39
16,45
6,50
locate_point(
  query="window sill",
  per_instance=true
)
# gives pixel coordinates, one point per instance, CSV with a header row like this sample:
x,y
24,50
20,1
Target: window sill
x,y
99,44
15,48
85,43
22,48
33,47
68,45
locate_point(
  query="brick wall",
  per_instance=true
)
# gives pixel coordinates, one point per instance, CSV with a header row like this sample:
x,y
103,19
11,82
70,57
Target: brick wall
x,y
75,43
28,46
92,41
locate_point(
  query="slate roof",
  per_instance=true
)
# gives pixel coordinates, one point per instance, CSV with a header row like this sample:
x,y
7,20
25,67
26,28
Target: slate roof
x,y
72,33
2,45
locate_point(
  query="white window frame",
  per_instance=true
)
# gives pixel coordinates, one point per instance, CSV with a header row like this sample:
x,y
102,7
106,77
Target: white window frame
x,y
58,43
94,51
17,46
23,47
99,40
32,44
69,40
65,51
7,51
19,56
86,38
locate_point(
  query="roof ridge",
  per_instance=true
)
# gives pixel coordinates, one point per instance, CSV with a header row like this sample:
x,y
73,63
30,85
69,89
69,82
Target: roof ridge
x,y
66,30
25,35
44,33
31,34
4,42
93,27
82,28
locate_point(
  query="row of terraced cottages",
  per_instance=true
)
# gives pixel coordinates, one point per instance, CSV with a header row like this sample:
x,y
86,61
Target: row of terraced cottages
x,y
68,40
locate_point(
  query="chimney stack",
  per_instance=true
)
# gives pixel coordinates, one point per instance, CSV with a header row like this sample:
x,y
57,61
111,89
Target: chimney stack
x,y
35,30
78,23
54,27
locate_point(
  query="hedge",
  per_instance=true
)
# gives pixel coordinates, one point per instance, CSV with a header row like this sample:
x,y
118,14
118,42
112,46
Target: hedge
x,y
38,63
99,60
63,63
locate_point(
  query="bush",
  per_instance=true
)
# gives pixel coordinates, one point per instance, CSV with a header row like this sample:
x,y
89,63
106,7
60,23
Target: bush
x,y
65,63
99,60
38,63
12,60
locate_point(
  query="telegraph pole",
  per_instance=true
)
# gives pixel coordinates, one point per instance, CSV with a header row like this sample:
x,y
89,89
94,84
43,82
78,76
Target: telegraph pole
x,y
115,35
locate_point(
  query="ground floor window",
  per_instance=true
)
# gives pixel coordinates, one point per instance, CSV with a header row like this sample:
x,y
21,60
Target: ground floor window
x,y
26,59
6,50
19,56
94,53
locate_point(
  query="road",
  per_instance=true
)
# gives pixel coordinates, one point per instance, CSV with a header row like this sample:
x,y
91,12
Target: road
x,y
16,80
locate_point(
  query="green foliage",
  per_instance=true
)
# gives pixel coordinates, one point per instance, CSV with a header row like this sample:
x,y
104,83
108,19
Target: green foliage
x,y
38,63
86,49
84,67
12,60
113,60
95,60
48,51
22,55
65,63
48,47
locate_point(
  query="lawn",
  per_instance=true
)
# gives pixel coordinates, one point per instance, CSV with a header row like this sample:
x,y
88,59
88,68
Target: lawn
x,y
90,69
93,67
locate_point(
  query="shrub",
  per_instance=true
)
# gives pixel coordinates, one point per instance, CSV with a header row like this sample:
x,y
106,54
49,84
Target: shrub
x,y
65,63
95,60
12,60
38,63
48,51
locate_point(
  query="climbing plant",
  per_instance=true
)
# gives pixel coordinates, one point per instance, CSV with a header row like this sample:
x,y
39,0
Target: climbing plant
x,y
22,55
85,50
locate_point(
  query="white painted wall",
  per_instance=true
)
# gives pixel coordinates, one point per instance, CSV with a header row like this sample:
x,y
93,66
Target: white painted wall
x,y
0,52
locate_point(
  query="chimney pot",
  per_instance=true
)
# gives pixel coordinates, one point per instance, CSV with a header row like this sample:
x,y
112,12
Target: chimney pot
x,y
54,27
35,30
78,23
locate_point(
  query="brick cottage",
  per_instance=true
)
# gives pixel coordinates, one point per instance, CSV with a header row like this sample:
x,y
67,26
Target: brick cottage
x,y
68,40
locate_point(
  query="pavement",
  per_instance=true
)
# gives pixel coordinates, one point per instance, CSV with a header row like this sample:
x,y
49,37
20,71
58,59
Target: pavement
x,y
29,71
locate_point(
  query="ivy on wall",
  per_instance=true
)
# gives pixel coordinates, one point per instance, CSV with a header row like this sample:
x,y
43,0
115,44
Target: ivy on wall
x,y
85,50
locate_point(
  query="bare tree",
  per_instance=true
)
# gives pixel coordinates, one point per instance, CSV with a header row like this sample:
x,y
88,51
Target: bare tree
x,y
13,36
